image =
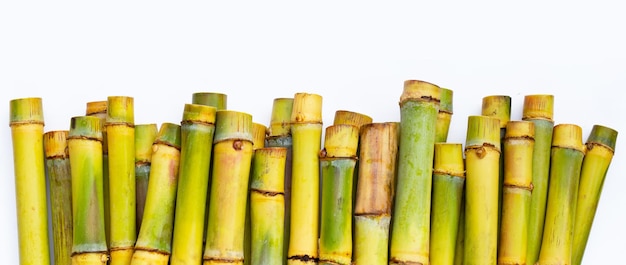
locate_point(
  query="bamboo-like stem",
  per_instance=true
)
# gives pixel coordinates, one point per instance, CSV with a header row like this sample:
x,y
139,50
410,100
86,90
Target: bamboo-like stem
x,y
280,136
378,144
459,248
145,134
517,188
351,118
121,143
444,116
26,121
232,158
197,130
99,109
213,99
306,131
85,150
482,152
267,206
539,110
448,182
153,245
60,181
410,234
337,162
259,133
600,150
566,161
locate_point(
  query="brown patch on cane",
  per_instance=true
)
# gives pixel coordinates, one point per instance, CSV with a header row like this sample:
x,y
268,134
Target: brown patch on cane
x,y
237,145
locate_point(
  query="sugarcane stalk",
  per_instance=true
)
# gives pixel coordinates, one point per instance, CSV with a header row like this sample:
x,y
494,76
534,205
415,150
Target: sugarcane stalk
x,y
232,158
267,206
123,211
539,110
99,109
599,153
517,189
482,152
153,245
566,161
26,122
378,144
145,134
197,129
306,131
85,151
337,162
60,181
410,234
279,135
448,182
259,131
213,99
351,118
444,116
459,248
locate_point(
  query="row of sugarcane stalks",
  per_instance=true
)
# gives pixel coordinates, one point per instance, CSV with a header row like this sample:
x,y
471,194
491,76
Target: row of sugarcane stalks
x,y
220,189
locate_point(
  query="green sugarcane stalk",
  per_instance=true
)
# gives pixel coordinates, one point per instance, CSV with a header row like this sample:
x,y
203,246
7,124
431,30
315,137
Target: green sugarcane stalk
x,y
60,181
259,132
155,235
566,161
448,182
337,162
145,134
267,206
419,105
444,117
85,150
26,121
539,110
600,150
459,248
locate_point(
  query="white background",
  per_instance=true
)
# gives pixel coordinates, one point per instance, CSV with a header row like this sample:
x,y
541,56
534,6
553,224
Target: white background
x,y
356,55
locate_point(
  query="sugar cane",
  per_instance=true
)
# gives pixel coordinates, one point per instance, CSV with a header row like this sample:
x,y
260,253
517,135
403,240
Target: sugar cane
x,y
378,144
419,105
306,131
448,182
213,99
145,135
232,157
599,153
482,152
123,211
27,122
153,245
279,135
337,162
444,116
60,181
566,160
517,188
259,131
197,130
539,110
267,206
459,248
351,118
85,150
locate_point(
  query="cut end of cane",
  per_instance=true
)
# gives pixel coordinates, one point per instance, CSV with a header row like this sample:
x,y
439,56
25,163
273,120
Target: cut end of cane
x,y
120,109
307,108
213,99
538,107
449,159
25,110
55,144
96,107
259,132
144,138
232,125
417,90
520,129
280,121
169,134
483,130
568,136
199,113
341,140
603,135
497,106
86,127
445,102
351,118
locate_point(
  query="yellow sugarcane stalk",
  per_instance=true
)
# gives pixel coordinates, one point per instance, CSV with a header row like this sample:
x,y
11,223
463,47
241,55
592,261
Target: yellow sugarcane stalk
x,y
566,160
444,117
306,131
232,157
267,206
519,143
60,181
482,152
259,132
145,134
351,118
599,153
26,121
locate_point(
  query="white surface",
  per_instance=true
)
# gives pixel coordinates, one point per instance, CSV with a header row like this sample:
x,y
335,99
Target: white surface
x,y
355,56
